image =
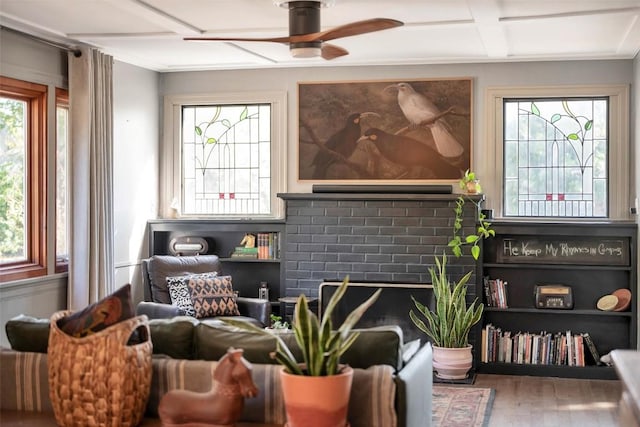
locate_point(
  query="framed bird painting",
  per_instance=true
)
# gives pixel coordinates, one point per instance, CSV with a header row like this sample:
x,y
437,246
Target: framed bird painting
x,y
398,131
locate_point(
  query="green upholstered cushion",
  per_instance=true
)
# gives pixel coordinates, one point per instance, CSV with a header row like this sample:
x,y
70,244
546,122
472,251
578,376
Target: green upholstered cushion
x,y
26,333
374,346
173,337
212,342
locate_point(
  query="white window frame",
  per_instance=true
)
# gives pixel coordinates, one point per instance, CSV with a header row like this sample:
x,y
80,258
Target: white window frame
x,y
619,157
171,162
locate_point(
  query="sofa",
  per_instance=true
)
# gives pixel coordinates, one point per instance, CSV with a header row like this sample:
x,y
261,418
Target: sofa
x,y
392,380
157,298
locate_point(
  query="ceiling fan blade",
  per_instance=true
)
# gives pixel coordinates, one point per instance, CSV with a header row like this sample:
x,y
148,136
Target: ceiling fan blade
x,y
348,30
331,51
241,39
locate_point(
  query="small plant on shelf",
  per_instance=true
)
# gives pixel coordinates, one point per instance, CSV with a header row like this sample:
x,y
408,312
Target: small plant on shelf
x,y
278,323
470,183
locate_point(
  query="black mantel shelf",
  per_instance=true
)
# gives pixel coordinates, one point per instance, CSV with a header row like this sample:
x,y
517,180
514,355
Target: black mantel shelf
x,y
376,196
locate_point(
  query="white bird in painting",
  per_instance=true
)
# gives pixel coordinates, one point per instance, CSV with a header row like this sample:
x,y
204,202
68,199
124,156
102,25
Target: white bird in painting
x,y
417,108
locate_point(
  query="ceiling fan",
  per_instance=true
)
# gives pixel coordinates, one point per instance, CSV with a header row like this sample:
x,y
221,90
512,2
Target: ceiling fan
x,y
305,38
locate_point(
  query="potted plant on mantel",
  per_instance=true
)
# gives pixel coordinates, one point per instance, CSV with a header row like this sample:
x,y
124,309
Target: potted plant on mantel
x,y
449,324
316,392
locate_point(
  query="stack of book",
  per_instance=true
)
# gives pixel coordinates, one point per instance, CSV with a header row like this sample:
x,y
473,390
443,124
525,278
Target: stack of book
x,y
268,246
495,292
243,252
545,348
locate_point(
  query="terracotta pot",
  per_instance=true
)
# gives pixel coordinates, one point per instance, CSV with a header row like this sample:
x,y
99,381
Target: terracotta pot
x,y
472,187
452,363
317,401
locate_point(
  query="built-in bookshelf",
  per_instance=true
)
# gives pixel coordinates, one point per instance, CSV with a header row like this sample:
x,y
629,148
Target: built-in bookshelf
x,y
248,267
566,335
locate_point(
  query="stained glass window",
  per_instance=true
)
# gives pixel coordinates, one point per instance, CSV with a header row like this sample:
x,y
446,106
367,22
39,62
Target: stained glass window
x,y
226,160
555,157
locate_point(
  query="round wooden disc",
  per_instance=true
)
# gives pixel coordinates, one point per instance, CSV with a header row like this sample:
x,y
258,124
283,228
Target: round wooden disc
x,y
607,302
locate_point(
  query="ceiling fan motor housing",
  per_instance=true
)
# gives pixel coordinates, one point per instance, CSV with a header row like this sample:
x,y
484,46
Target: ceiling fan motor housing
x,y
304,18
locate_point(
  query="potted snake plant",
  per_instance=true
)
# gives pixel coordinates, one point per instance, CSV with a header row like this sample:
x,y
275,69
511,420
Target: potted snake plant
x,y
318,384
449,324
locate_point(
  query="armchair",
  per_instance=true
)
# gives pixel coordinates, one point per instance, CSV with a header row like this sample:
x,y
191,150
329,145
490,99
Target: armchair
x,y
157,301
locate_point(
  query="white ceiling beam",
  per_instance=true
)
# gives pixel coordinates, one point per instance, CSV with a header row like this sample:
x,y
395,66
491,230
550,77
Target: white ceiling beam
x,y
159,17
486,14
630,43
574,14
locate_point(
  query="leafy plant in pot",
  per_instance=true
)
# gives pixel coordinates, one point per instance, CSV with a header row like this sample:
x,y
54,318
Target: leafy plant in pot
x,y
449,324
316,391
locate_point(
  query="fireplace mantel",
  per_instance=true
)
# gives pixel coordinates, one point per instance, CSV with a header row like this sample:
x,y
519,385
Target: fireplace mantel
x,y
377,196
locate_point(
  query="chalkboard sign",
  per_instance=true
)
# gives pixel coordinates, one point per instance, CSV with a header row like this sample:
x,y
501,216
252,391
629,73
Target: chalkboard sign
x,y
563,250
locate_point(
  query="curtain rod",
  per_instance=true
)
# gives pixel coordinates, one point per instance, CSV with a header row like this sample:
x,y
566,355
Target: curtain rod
x,y
76,52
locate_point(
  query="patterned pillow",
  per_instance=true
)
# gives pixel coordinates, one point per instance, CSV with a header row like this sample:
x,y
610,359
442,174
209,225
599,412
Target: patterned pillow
x,y
99,315
213,297
179,290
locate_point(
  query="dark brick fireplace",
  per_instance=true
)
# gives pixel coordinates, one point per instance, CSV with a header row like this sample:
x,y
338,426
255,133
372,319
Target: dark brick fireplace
x,y
372,237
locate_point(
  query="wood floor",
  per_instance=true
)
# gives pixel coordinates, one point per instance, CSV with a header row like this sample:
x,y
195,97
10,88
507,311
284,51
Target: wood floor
x,y
542,401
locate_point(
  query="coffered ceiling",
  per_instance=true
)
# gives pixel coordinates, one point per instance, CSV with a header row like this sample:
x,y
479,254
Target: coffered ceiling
x,y
149,33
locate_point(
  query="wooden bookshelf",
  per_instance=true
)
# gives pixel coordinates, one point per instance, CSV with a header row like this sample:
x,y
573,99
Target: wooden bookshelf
x,y
594,259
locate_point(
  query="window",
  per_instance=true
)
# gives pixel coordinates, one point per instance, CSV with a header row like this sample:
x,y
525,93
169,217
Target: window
x,y
555,157
62,199
225,155
23,183
563,152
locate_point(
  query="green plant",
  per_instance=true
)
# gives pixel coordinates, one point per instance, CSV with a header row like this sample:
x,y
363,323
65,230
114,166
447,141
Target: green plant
x,y
469,177
320,344
450,323
277,323
482,231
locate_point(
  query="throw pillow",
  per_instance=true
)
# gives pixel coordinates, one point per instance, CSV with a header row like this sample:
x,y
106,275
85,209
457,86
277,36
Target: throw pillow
x,y
213,297
179,292
99,315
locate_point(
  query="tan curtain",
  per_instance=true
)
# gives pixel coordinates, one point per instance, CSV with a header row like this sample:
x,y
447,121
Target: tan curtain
x,y
91,264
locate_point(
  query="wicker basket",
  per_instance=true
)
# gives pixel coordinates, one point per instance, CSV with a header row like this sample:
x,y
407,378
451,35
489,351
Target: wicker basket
x,y
99,380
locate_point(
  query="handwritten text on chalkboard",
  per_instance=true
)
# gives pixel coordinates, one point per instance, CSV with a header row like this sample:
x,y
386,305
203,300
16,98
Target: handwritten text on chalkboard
x,y
561,251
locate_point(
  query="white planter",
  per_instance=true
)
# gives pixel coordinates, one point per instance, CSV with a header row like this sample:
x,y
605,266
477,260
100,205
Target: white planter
x,y
452,363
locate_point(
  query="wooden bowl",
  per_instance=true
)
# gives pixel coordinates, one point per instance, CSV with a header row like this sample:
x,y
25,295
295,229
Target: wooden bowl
x,y
607,303
624,299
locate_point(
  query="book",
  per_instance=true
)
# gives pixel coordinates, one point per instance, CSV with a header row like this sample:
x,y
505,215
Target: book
x,y
593,352
244,250
244,255
495,292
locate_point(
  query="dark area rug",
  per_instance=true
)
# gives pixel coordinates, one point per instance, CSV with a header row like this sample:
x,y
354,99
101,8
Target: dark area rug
x,y
461,406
